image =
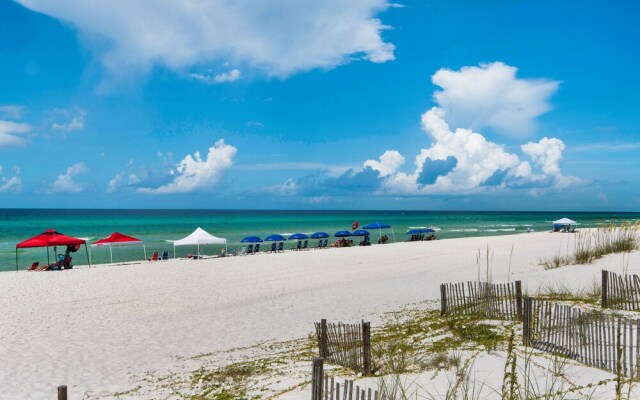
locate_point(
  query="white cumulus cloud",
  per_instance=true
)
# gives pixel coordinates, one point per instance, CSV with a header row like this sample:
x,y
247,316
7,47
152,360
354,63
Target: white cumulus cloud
x,y
12,133
464,161
223,77
194,173
68,121
65,183
12,184
279,38
389,163
492,96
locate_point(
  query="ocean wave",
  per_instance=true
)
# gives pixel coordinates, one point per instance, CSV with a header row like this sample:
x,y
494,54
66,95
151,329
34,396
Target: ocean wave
x,y
464,230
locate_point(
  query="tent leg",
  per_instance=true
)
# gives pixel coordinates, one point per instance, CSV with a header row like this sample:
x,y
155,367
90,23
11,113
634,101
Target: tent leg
x,y
174,251
198,250
87,251
111,253
394,235
16,259
145,251
48,262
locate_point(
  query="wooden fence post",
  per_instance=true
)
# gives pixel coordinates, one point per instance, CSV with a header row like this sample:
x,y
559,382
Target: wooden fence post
x,y
316,378
62,392
366,347
605,288
443,299
526,321
519,299
324,339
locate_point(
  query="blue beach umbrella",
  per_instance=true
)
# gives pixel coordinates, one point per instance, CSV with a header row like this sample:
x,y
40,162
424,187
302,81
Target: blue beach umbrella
x,y
298,236
342,234
380,226
360,232
319,235
251,239
419,231
377,225
275,238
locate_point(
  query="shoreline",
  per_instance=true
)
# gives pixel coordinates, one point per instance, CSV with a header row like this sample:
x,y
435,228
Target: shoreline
x,y
95,328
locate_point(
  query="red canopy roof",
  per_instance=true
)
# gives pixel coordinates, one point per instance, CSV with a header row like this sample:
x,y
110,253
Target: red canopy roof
x,y
50,238
117,239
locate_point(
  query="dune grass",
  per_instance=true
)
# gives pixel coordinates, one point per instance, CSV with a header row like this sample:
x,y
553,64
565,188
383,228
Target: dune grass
x,y
592,244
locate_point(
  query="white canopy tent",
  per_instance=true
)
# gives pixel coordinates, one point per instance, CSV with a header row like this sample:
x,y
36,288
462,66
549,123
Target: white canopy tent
x,y
565,221
197,238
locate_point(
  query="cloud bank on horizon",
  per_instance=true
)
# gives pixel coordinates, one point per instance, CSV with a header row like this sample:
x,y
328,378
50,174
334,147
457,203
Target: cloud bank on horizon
x,y
277,38
462,161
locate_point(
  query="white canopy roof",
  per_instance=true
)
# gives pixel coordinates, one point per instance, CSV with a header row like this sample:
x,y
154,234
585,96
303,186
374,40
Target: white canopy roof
x,y
198,237
565,221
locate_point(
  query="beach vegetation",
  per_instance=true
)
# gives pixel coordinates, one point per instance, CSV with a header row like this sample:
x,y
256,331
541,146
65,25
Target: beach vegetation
x,y
593,244
591,294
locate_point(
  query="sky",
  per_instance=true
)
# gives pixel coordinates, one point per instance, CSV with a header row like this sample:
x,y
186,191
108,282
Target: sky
x,y
299,104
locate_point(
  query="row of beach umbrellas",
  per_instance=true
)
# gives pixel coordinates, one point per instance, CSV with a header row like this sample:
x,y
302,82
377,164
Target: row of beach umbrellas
x,y
324,235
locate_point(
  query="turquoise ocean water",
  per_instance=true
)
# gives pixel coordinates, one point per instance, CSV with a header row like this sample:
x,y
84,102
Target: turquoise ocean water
x,y
156,226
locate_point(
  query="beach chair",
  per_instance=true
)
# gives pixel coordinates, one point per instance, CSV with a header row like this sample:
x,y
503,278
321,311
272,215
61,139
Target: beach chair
x,y
299,246
33,266
274,246
305,245
256,250
319,244
281,246
165,255
326,241
154,257
249,249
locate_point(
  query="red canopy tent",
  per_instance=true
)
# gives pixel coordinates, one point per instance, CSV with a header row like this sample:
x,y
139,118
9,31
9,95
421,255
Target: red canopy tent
x,y
118,239
50,238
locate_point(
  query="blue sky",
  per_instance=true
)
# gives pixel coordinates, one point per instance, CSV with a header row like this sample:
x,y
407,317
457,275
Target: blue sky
x,y
365,104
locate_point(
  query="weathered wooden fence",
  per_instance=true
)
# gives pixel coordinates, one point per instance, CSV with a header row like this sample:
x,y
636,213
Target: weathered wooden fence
x,y
501,300
607,342
348,345
620,292
324,387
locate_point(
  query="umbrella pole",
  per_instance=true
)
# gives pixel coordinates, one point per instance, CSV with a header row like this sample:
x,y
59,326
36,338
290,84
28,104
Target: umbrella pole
x,y
111,253
87,251
145,251
48,262
16,259
393,235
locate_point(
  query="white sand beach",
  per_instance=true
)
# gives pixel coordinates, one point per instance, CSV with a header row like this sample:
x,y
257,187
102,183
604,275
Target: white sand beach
x,y
94,328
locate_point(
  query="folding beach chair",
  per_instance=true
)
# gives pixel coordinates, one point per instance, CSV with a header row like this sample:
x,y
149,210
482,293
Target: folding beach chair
x,y
299,246
165,255
154,257
305,245
256,250
273,247
249,249
33,266
281,246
